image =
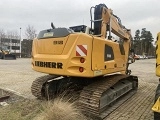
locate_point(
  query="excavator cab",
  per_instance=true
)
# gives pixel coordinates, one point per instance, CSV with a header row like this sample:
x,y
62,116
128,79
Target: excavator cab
x,y
80,28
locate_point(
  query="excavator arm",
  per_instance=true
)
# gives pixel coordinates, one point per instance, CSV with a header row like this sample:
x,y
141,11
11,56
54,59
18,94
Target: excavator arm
x,y
105,20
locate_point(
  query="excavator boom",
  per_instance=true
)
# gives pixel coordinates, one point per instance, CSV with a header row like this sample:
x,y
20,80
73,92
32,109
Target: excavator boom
x,y
105,20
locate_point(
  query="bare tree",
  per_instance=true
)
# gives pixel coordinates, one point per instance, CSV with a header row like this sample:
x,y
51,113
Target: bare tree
x,y
30,32
12,34
2,33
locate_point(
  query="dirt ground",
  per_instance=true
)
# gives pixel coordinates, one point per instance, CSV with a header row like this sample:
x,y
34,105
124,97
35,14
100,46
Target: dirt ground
x,y
17,76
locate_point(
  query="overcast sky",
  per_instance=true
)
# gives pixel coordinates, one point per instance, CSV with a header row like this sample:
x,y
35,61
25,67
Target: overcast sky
x,y
134,14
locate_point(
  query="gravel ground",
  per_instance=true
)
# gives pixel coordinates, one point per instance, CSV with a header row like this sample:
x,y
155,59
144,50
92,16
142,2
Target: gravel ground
x,y
17,76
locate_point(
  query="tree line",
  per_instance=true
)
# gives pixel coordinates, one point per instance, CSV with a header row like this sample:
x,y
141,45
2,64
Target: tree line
x,y
142,43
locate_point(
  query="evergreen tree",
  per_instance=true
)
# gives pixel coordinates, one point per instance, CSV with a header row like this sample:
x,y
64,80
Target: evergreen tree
x,y
136,41
147,39
142,42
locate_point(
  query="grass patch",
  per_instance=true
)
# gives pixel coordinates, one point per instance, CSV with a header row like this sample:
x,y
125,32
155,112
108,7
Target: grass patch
x,y
60,109
21,110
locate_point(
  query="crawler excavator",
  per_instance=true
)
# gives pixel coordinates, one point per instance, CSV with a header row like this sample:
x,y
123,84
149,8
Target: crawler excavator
x,y
156,107
5,54
90,59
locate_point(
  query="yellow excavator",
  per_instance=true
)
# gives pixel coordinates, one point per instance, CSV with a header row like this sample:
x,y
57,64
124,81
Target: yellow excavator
x,y
156,107
5,54
87,58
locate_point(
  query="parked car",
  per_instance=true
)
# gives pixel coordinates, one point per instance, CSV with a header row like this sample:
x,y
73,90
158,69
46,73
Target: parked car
x,y
150,57
141,56
136,57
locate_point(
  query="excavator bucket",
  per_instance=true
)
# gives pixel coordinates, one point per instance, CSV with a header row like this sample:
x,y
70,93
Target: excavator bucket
x,y
9,57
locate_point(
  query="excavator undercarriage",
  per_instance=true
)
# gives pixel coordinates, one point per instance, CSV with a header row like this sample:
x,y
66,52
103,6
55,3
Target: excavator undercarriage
x,y
97,99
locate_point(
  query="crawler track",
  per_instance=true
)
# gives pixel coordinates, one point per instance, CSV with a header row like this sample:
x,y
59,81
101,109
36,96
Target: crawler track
x,y
90,97
37,87
4,97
